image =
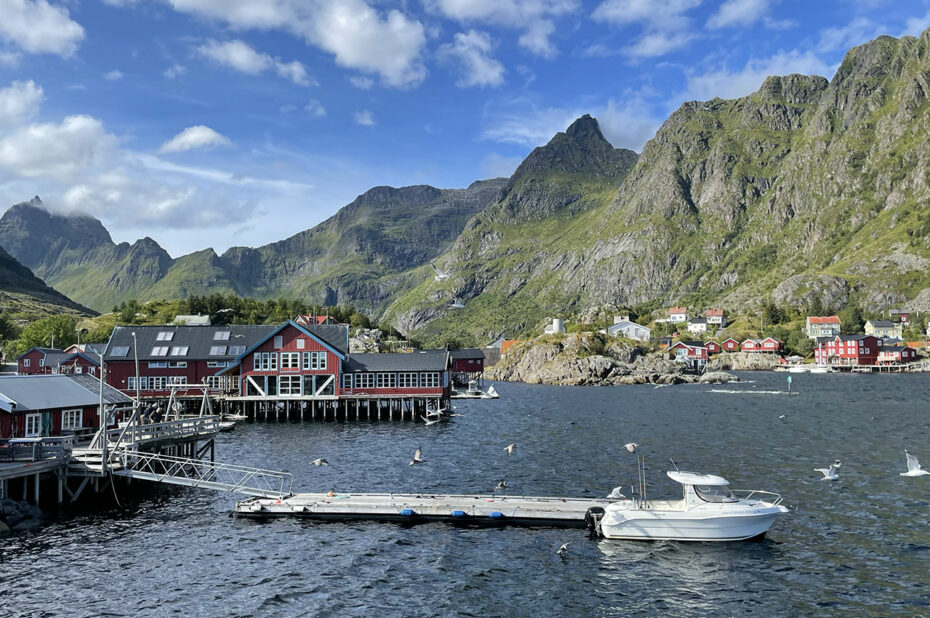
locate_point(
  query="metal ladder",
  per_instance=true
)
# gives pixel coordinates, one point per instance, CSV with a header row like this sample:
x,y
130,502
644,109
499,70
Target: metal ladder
x,y
205,474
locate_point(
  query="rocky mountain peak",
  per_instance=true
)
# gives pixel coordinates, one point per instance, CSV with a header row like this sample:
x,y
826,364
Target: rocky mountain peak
x,y
585,128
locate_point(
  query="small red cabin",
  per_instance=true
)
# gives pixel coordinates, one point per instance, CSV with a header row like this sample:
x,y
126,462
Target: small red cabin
x,y
713,347
730,345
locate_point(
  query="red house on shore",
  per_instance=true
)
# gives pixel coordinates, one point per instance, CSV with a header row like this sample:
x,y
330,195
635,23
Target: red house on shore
x,y
38,361
713,347
769,344
848,350
730,345
896,355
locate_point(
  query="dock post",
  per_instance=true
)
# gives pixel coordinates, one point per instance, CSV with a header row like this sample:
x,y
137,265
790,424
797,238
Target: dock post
x,y
36,484
61,492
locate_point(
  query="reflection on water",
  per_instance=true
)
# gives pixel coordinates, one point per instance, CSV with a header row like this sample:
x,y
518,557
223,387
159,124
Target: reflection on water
x,y
855,546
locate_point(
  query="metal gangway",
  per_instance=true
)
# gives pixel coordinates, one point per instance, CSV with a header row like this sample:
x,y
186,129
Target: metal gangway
x,y
204,473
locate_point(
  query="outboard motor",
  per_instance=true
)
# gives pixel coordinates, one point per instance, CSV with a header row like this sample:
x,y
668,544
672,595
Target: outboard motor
x,y
592,520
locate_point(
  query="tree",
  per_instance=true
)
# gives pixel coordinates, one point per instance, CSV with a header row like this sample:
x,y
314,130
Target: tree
x,y
58,330
772,313
851,320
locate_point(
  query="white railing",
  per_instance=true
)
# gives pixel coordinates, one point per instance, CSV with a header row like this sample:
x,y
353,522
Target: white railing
x,y
185,428
205,474
768,497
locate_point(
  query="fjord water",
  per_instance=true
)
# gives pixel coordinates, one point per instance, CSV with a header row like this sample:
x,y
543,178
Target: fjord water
x,y
860,545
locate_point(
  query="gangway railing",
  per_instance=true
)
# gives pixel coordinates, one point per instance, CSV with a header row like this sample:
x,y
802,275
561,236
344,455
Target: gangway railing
x,y
205,474
184,429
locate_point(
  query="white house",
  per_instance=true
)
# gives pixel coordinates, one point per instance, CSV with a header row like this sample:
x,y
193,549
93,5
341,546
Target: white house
x,y
715,318
630,330
697,325
677,315
557,326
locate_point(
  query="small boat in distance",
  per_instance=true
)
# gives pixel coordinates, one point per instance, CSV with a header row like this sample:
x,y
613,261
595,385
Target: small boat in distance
x,y
708,511
473,392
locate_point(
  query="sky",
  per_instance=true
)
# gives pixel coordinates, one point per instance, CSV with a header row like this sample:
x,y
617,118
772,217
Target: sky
x,y
216,123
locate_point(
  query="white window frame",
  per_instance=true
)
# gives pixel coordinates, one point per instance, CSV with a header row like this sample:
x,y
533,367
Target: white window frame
x,y
364,380
290,360
301,344
33,425
278,342
179,350
387,380
286,385
221,335
27,362
429,380
347,380
72,419
165,335
218,350
160,350
266,361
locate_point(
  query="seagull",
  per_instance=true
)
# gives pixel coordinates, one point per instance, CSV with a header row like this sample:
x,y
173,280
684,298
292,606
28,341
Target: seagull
x,y
320,462
782,418
501,485
430,421
441,275
510,448
631,446
913,466
563,549
829,474
417,457
615,494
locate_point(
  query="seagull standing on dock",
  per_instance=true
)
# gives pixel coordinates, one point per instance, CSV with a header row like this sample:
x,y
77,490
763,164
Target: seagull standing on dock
x,y
510,448
631,446
563,550
829,474
320,462
913,466
417,457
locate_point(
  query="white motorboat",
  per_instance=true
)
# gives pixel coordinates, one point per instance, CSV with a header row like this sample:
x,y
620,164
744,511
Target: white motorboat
x,y
821,369
798,369
708,511
473,392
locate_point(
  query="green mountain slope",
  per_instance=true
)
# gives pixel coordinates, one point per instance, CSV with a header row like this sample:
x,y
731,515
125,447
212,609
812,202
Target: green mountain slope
x,y
805,188
21,290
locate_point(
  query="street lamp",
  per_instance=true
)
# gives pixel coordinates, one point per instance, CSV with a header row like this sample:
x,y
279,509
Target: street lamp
x,y
135,353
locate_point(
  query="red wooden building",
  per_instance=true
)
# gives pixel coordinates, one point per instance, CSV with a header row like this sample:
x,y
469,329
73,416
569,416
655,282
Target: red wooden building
x,y
713,347
37,361
691,353
467,365
848,350
53,405
896,355
771,345
730,345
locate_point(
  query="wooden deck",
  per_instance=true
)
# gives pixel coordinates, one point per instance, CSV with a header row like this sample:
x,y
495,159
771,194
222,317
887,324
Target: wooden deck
x,y
487,510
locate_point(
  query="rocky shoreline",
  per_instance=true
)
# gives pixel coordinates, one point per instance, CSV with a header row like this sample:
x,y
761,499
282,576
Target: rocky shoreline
x,y
589,359
17,516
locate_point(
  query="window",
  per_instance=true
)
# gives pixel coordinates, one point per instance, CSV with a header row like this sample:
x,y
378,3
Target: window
x,y
217,350
158,365
217,364
278,341
119,350
387,380
301,344
160,350
364,380
221,335
158,383
179,350
177,364
314,361
429,380
41,362
347,380
266,361
165,336
71,419
289,385
290,360
407,380
26,362
131,383
177,380
714,493
236,350
33,425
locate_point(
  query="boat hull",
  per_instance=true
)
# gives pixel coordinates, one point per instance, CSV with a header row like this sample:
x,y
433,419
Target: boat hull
x,y
695,525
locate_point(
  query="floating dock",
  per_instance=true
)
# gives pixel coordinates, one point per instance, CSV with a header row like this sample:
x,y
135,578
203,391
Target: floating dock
x,y
487,510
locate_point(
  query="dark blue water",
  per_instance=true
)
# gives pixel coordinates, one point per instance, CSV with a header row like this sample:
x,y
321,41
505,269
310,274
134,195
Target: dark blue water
x,y
857,546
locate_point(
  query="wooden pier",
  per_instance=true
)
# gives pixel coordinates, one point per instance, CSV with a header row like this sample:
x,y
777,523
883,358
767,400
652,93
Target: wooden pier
x,y
468,509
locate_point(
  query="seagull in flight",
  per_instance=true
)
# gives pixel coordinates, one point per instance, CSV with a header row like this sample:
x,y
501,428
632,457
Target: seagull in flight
x,y
913,466
615,494
563,550
510,448
631,446
441,275
320,462
428,420
501,485
417,457
829,474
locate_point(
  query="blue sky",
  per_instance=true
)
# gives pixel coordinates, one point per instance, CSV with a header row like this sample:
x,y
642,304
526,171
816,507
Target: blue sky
x,y
212,123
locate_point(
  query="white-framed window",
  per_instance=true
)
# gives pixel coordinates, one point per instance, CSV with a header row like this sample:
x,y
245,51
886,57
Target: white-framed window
x,y
429,380
71,419
158,365
364,380
278,341
27,362
177,364
217,350
78,369
387,380
221,335
289,385
179,350
165,336
33,425
177,379
314,361
160,350
266,361
290,360
215,364
407,380
301,343
158,383
41,362
347,380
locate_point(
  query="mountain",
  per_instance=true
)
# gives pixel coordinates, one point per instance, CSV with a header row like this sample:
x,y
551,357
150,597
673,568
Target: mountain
x,y
805,189
21,290
359,255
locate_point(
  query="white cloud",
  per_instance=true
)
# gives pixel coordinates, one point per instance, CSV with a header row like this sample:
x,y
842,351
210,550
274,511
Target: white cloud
x,y
37,27
499,166
239,56
856,32
533,16
9,59
916,25
665,27
472,50
19,103
198,136
175,70
628,123
365,118
738,13
315,108
361,82
360,37
728,84
113,75
55,151
528,126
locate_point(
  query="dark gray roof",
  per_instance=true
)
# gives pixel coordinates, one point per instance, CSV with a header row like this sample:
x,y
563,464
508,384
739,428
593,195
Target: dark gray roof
x,y
52,391
693,344
895,348
336,335
425,360
44,351
881,323
697,321
467,353
93,350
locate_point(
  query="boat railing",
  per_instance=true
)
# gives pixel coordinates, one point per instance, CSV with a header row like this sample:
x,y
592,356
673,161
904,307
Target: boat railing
x,y
769,497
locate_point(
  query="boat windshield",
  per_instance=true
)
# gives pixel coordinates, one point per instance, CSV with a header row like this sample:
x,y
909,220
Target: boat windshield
x,y
714,493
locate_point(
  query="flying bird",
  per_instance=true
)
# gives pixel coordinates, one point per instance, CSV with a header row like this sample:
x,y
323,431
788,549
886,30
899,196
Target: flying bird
x,y
615,494
430,420
417,457
510,448
631,446
441,275
913,466
501,485
320,462
829,474
563,550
